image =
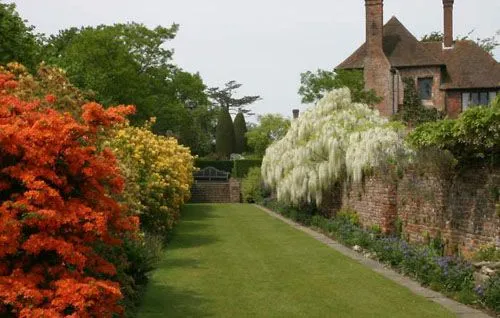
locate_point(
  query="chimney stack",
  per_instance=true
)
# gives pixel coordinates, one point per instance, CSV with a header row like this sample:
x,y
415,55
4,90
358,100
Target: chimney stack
x,y
374,24
295,113
448,23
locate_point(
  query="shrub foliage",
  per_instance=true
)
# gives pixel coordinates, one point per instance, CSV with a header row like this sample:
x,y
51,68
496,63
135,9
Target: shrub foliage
x,y
475,134
413,112
159,175
251,186
56,209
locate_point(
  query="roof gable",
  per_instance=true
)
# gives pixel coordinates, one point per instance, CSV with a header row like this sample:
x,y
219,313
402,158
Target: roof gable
x,y
400,46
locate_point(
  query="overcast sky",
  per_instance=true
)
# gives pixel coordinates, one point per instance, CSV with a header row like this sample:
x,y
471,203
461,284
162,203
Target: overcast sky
x,y
263,44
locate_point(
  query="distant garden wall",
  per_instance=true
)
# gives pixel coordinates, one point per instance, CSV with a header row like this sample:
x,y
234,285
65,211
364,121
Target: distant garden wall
x,y
461,208
216,191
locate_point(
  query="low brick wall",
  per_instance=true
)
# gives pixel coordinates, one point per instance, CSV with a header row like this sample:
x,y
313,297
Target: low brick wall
x,y
462,208
381,210
215,191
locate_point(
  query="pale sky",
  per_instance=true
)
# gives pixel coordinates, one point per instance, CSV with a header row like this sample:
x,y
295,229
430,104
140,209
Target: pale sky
x,y
264,45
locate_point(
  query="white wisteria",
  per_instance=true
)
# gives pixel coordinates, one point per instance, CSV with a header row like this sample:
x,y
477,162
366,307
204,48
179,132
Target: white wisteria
x,y
333,141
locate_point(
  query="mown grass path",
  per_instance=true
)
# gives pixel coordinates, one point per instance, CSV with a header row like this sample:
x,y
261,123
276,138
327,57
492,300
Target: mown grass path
x,y
234,260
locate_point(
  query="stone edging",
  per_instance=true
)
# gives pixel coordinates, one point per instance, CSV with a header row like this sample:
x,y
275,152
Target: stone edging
x,y
457,308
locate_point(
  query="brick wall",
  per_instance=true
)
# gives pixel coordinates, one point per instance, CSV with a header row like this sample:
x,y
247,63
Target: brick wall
x,y
215,192
374,200
438,96
453,104
461,208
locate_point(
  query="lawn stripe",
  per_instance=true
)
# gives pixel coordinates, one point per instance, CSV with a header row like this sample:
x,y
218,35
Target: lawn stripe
x,y
234,260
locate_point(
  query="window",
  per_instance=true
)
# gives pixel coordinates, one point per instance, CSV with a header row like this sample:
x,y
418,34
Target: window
x,y
425,88
477,98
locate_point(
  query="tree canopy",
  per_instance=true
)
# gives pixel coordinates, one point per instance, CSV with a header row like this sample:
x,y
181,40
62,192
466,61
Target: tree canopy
x,y
271,127
224,98
129,64
313,86
18,42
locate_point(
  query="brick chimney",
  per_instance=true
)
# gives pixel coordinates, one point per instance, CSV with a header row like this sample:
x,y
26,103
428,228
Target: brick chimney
x,y
448,23
295,113
377,69
374,23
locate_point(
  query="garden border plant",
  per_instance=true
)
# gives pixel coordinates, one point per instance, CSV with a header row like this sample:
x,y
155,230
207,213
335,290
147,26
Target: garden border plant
x,y
451,275
105,259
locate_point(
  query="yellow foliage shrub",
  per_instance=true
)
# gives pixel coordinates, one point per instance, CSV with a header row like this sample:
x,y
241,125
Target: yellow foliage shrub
x,y
158,172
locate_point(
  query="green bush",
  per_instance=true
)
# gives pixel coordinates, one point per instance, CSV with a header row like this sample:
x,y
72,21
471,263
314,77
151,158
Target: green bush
x,y
224,165
350,215
135,259
474,135
489,253
242,167
251,186
490,294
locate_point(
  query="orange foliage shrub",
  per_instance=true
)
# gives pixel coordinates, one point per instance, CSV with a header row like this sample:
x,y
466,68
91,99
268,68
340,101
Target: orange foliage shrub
x,y
56,209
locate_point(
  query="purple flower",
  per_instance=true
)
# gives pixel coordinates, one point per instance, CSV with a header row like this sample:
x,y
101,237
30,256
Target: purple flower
x,y
479,290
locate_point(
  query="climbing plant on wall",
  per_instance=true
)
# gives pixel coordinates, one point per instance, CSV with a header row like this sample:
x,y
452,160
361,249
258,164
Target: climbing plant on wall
x,y
334,140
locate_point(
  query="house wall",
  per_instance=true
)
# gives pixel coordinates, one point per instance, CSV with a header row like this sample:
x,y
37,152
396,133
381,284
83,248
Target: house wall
x,y
438,96
377,76
453,103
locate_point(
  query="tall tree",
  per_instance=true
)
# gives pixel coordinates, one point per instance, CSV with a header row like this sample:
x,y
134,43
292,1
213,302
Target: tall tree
x,y
128,64
224,98
240,129
224,141
18,42
314,85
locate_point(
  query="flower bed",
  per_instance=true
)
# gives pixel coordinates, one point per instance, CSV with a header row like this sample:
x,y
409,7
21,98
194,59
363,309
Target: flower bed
x,y
452,275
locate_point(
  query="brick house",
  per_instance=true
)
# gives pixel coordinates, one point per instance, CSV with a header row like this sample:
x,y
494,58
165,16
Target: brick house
x,y
450,75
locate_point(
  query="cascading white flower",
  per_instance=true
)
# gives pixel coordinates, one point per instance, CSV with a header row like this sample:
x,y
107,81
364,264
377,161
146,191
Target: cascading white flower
x,y
334,140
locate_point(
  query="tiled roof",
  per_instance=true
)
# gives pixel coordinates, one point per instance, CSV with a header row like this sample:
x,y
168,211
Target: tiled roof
x,y
466,64
400,46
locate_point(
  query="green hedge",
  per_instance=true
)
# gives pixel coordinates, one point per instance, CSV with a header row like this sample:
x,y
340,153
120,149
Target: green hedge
x,y
224,165
237,168
241,167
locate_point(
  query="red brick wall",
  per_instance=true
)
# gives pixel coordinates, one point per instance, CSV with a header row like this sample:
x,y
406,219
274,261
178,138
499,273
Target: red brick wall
x,y
463,209
375,202
453,104
438,96
215,192
377,75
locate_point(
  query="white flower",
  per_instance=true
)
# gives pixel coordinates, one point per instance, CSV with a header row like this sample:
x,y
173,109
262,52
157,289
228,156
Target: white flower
x,y
333,140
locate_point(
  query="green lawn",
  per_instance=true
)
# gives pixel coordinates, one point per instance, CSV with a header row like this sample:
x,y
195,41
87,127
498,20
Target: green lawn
x,y
234,260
